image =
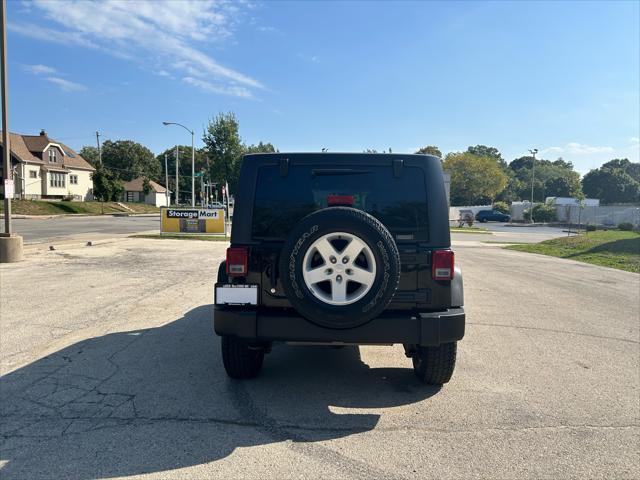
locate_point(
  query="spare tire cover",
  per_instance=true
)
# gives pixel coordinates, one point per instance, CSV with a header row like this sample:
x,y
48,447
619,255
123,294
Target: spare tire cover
x,y
339,267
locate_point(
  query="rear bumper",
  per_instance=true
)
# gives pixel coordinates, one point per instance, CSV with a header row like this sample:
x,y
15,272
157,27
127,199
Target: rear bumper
x,y
431,328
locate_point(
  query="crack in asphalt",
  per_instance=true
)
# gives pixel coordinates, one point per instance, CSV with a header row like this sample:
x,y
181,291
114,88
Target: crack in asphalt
x,y
552,330
270,423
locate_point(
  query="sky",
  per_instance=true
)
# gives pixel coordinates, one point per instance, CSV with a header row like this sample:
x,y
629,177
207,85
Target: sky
x,y
562,77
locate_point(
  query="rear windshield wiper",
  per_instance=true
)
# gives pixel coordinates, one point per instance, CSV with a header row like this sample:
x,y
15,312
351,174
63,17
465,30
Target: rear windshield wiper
x,y
337,171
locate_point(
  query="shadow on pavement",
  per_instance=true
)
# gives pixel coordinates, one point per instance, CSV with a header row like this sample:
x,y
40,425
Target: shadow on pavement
x,y
158,399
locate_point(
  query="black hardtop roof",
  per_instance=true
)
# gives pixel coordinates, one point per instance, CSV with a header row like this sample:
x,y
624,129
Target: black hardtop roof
x,y
339,157
436,195
339,154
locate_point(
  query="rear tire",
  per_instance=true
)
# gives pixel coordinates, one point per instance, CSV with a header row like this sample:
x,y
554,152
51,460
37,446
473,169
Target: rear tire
x,y
355,224
240,360
435,365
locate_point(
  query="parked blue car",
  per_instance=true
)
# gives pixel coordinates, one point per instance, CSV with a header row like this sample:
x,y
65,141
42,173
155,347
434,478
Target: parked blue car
x,y
492,216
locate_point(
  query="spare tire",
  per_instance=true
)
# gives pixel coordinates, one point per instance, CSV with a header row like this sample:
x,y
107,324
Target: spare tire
x,y
339,267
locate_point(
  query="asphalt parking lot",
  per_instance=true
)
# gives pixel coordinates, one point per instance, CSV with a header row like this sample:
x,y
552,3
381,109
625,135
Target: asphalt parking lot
x,y
110,368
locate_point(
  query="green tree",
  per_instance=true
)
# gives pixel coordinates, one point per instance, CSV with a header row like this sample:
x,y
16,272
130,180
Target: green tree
x,y
90,154
551,179
260,148
130,159
491,152
430,150
613,182
224,149
107,185
474,179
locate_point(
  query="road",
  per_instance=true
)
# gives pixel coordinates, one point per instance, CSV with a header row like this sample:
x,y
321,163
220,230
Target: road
x,y
110,368
61,228
35,230
505,233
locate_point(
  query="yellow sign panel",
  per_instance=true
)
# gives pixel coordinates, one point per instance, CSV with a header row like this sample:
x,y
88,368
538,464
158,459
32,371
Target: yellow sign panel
x,y
192,220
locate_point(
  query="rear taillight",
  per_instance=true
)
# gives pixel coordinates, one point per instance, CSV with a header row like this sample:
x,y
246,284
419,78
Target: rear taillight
x,y
340,200
442,265
237,261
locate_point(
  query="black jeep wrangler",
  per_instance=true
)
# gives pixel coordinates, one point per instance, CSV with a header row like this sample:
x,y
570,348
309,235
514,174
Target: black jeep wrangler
x,y
333,248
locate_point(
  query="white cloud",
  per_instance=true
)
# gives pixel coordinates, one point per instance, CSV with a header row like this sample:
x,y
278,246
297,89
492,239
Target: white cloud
x,y
66,85
53,76
575,148
40,69
210,87
170,35
46,34
634,140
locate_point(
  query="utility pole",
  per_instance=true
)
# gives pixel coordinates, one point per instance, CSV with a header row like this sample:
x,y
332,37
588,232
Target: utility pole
x,y
533,174
6,151
10,245
166,181
99,150
177,179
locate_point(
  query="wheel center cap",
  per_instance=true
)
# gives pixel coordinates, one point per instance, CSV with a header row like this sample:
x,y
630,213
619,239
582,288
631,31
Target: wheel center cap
x,y
339,268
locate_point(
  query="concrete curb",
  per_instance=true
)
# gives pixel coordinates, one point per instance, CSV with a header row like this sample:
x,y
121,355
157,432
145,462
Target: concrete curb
x,y
61,245
525,225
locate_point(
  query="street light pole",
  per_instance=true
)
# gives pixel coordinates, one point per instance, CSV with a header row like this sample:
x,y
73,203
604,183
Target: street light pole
x,y
177,179
533,175
193,161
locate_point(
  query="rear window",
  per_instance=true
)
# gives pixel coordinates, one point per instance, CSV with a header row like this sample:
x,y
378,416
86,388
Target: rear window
x,y
400,203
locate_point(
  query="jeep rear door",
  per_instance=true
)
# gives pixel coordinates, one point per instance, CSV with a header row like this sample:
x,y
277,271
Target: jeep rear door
x,y
397,198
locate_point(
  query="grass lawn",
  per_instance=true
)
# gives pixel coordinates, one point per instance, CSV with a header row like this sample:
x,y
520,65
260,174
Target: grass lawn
x,y
612,248
170,236
470,230
38,207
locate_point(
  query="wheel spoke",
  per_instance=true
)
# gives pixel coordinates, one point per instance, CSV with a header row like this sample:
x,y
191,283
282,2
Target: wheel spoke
x,y
361,275
338,291
338,269
316,275
353,249
325,249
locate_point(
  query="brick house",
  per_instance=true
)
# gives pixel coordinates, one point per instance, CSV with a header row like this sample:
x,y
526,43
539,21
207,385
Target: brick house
x,y
44,168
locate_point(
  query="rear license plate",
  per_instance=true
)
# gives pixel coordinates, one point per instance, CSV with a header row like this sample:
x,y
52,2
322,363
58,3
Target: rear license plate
x,y
227,294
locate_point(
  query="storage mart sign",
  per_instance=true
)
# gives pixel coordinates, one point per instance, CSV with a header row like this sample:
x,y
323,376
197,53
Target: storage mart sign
x,y
192,220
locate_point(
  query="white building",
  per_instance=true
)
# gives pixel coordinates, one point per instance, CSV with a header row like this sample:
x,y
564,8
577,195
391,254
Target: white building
x,y
45,168
134,192
571,202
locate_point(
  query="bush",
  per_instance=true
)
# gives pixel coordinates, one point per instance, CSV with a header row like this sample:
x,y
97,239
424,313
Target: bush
x,y
626,226
502,207
544,213
591,228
